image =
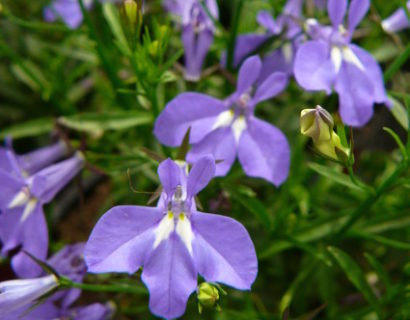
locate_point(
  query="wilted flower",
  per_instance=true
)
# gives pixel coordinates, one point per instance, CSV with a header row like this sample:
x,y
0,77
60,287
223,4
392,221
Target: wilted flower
x,y
22,223
318,124
197,31
229,128
15,294
173,242
330,61
397,21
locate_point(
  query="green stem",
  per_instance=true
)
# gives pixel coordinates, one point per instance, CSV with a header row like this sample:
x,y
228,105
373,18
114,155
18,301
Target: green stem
x,y
65,282
371,199
397,63
234,31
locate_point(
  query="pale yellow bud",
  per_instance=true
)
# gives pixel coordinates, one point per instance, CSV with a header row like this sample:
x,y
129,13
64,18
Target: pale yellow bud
x,y
131,11
208,295
317,124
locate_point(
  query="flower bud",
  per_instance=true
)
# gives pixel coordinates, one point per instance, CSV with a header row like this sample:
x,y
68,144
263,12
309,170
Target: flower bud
x,y
333,148
317,124
208,296
131,11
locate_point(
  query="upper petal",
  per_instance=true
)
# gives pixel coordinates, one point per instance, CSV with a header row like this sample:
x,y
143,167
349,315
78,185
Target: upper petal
x,y
271,87
10,186
169,174
357,11
313,67
397,21
201,173
171,277
337,10
265,19
264,152
248,74
188,110
121,239
223,251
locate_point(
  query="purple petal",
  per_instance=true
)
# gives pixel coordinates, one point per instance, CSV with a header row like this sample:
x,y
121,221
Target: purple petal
x,y
10,229
170,176
397,21
38,159
95,311
223,251
49,181
194,110
248,74
221,144
68,10
201,173
313,68
44,311
336,10
373,72
196,47
4,161
275,62
245,45
356,96
357,10
33,237
265,19
171,277
264,152
121,239
9,188
271,87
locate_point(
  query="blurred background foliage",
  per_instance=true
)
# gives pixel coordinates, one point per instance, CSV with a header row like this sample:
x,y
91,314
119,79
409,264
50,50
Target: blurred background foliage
x,y
327,248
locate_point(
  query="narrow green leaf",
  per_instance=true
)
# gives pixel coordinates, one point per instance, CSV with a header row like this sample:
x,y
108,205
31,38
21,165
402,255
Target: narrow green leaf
x,y
398,141
335,176
397,63
355,274
400,245
98,123
28,129
399,112
381,272
111,15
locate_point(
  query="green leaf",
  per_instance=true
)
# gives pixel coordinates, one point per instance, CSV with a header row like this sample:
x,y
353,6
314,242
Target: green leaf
x,y
381,272
355,274
96,124
399,112
111,15
335,176
398,141
29,128
242,195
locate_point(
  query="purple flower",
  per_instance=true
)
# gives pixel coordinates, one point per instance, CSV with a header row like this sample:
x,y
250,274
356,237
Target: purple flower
x,y
229,128
27,164
173,242
397,21
286,24
21,303
197,32
67,10
22,223
331,62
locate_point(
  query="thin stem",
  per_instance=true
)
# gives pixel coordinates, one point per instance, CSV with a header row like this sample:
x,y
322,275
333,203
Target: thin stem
x,y
234,31
65,282
397,63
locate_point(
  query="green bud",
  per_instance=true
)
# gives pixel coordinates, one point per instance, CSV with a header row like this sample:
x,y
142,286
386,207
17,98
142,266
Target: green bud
x,y
317,124
131,10
208,295
153,48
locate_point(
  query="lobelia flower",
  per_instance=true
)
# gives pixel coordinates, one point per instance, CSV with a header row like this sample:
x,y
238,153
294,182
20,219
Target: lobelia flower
x,y
29,163
173,242
229,128
331,62
197,31
22,222
282,58
397,21
67,262
67,10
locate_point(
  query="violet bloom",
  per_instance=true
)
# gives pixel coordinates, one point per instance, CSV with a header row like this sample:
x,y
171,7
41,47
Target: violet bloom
x,y
287,25
29,163
197,32
229,128
22,222
331,62
173,242
67,10
397,21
